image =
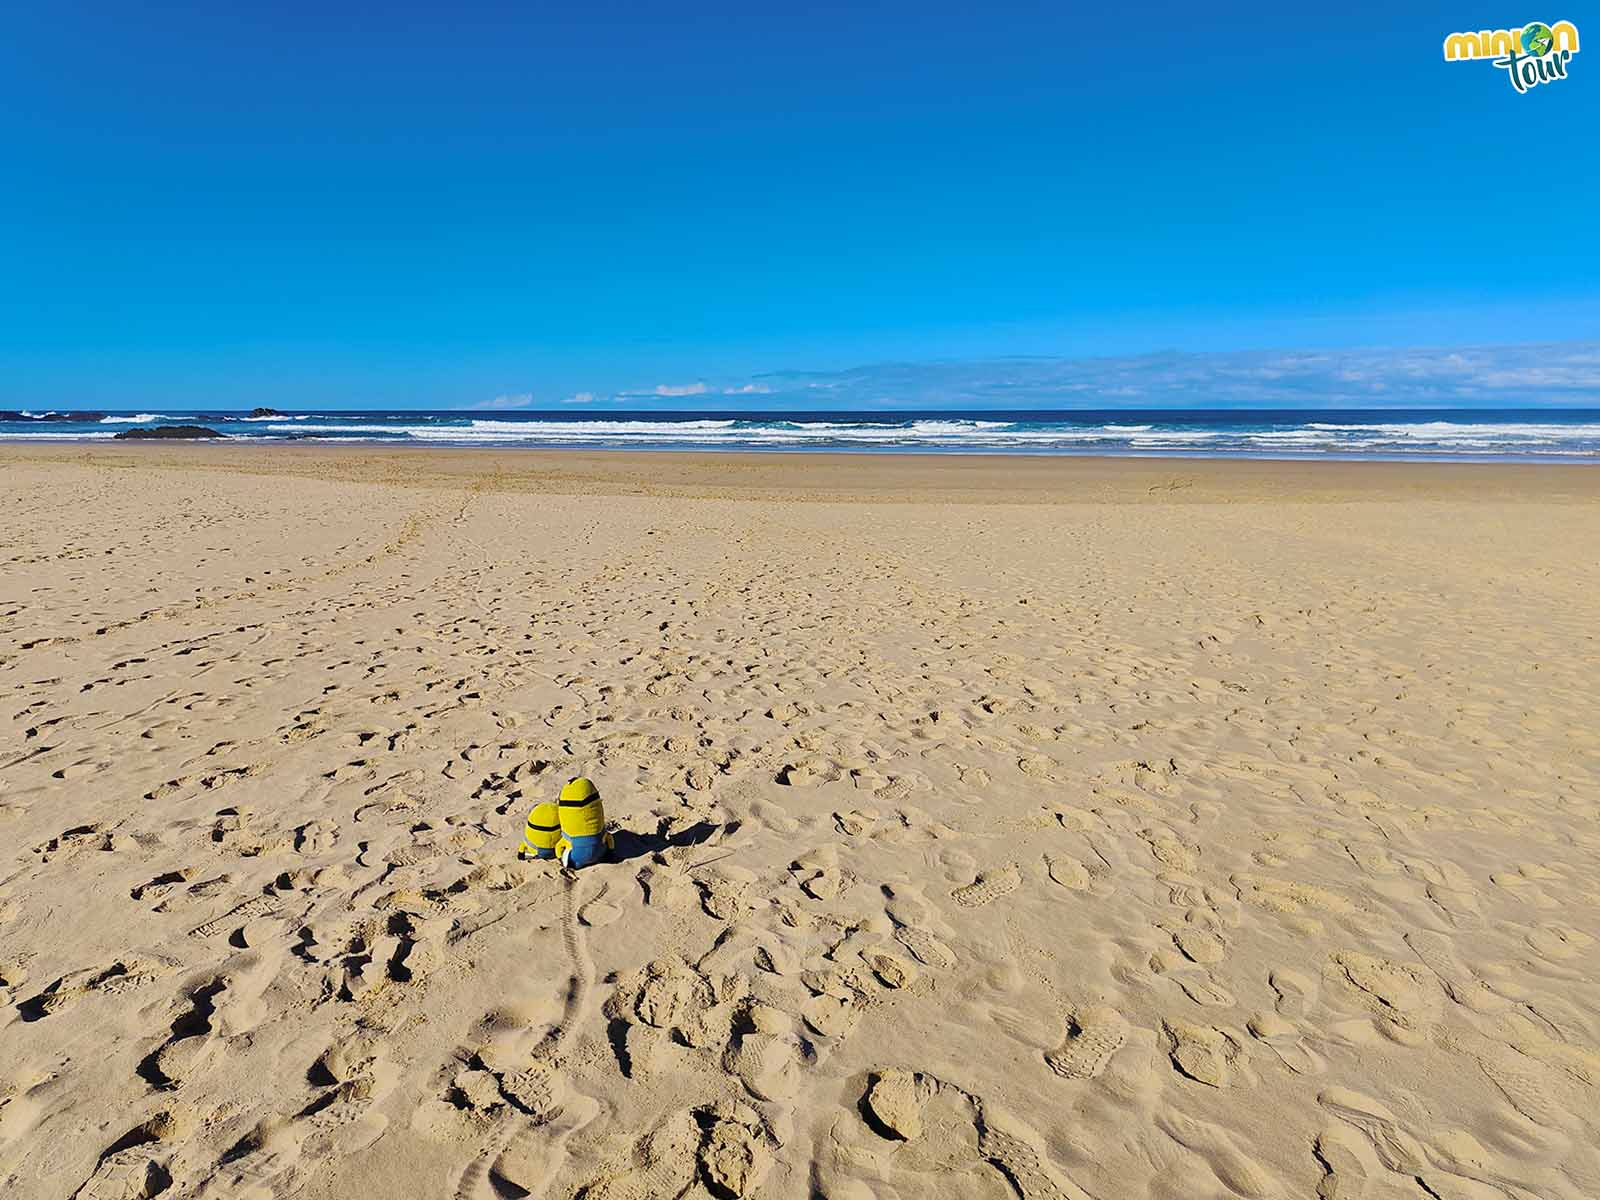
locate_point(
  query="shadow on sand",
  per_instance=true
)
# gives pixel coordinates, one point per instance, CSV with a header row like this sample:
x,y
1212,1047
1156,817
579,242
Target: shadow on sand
x,y
630,844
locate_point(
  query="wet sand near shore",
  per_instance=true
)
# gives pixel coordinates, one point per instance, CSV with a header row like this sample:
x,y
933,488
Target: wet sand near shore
x,y
903,478
986,826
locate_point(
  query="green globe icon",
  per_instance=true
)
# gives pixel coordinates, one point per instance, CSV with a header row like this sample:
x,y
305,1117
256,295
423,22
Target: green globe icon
x,y
1537,39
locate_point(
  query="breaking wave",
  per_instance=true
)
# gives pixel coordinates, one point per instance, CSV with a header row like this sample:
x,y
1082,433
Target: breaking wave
x,y
1470,435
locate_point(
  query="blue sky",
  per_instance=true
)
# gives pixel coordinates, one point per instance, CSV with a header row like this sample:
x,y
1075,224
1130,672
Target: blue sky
x,y
442,206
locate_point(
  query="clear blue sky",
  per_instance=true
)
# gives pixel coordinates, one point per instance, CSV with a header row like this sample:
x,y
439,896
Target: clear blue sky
x,y
434,205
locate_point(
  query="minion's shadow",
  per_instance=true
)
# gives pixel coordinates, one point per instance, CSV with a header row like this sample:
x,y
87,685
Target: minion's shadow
x,y
629,844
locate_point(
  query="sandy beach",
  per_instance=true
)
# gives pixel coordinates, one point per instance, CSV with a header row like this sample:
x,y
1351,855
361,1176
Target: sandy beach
x,y
985,827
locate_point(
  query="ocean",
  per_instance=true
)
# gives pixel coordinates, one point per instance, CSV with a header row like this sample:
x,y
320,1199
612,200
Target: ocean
x,y
1543,435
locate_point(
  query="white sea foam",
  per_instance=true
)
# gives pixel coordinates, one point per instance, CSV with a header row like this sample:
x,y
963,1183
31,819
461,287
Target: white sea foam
x,y
1290,436
31,436
1260,434
1450,430
946,427
602,427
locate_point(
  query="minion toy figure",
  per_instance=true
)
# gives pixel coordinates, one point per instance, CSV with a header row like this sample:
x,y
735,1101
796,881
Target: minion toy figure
x,y
543,832
584,838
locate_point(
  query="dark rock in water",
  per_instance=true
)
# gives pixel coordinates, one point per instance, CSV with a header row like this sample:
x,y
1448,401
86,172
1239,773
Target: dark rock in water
x,y
265,412
168,431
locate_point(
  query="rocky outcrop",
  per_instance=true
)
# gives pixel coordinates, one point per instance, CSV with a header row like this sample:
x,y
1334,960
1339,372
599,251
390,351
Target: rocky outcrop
x,y
188,432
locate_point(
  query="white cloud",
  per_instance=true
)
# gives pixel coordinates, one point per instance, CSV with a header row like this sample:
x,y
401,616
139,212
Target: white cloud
x,y
501,403
1564,373
586,398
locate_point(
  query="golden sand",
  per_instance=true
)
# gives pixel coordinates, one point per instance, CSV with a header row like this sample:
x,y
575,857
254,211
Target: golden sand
x,y
988,827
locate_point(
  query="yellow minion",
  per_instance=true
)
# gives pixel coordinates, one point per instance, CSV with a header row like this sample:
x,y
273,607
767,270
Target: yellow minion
x,y
542,833
584,837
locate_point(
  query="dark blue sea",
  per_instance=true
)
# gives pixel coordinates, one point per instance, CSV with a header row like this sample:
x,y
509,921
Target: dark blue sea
x,y
1546,435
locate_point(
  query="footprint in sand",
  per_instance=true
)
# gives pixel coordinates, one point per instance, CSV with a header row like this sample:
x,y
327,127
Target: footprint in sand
x,y
1296,992
121,977
856,822
597,913
272,1160
897,791
925,948
1540,1091
72,841
898,1101
891,970
1558,943
1348,1163
1203,1053
974,779
1068,872
139,1162
1019,1152
1094,1034
1171,851
250,910
1402,1000
1234,1168
1203,990
129,1173
1460,982
343,1121
722,892
807,773
1287,1042
765,1056
1396,1148
1200,946
523,1161
662,1164
988,887
1040,768
830,1016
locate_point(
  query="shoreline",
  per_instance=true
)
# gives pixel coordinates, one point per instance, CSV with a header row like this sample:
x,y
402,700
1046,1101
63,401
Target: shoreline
x,y
870,452
846,476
